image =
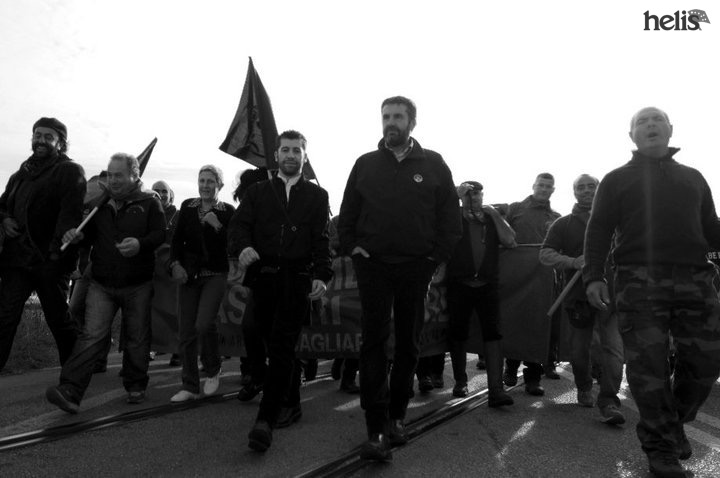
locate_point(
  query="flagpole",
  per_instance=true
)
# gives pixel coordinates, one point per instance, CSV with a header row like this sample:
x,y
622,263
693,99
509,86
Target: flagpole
x,y
564,292
143,160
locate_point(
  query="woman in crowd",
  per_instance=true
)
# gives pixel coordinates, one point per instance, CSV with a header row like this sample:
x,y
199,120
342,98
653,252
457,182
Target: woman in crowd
x,y
199,262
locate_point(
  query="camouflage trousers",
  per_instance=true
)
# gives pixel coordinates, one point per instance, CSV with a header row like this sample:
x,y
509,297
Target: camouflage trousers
x,y
654,303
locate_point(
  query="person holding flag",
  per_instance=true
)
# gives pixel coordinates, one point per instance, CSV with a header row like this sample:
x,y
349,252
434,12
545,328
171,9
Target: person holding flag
x,y
124,235
42,199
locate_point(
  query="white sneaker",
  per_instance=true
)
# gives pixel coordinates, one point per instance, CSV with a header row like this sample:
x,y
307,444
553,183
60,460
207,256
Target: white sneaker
x,y
211,384
184,396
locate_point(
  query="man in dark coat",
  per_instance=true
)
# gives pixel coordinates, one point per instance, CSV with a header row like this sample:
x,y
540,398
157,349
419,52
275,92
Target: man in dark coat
x,y
42,200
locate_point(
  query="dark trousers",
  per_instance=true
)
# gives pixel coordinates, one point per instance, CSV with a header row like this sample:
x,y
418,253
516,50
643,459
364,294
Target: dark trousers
x,y
531,372
281,307
462,300
200,302
101,307
430,366
385,288
52,286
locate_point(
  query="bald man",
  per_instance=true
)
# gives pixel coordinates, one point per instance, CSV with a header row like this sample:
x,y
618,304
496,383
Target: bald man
x,y
563,250
664,221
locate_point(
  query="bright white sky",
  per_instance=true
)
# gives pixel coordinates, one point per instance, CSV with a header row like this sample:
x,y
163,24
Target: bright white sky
x,y
504,90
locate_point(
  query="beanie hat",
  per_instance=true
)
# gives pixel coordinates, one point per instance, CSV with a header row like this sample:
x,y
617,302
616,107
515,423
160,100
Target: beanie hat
x,y
52,123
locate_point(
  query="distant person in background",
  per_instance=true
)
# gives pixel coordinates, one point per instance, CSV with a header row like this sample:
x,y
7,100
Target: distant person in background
x,y
663,218
123,235
530,219
279,233
41,201
472,286
167,197
199,262
251,386
563,250
81,281
343,369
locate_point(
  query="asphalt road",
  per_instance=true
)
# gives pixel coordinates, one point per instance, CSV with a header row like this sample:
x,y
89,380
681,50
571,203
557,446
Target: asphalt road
x,y
549,436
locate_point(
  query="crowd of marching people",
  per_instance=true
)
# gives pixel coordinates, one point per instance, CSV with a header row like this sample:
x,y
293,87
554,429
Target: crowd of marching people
x,y
629,264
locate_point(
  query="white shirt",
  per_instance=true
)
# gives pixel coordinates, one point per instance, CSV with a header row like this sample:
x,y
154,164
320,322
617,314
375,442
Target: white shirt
x,y
289,182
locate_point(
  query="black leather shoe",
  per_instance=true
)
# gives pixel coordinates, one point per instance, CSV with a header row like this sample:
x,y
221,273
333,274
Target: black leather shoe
x,y
535,389
260,437
397,435
460,390
425,384
665,465
499,398
377,448
249,391
288,416
59,398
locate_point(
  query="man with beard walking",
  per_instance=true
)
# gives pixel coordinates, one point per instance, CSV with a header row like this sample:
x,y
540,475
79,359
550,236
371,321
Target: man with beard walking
x,y
42,200
399,219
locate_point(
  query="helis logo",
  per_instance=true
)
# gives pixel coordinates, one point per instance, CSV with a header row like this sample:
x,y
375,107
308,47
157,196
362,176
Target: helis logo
x,y
680,20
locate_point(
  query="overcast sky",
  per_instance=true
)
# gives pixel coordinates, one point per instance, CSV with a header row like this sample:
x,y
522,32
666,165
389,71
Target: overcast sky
x,y
504,90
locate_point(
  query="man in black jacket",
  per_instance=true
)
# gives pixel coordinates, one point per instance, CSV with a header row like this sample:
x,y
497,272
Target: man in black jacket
x,y
399,219
42,200
280,234
663,219
124,235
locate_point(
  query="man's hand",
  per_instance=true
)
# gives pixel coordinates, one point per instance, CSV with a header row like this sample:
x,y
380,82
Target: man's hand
x,y
179,273
211,219
579,262
72,236
463,189
318,289
12,229
361,251
128,247
597,294
247,257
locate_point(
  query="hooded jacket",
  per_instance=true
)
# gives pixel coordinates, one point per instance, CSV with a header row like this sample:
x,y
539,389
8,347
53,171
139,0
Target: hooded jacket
x,y
661,212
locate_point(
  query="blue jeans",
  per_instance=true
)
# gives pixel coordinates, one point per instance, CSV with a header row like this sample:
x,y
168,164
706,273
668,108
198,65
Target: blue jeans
x,y
612,351
102,304
200,302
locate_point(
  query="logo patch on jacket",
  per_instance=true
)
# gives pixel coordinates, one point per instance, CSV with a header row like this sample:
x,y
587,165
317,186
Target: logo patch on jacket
x,y
136,208
418,178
